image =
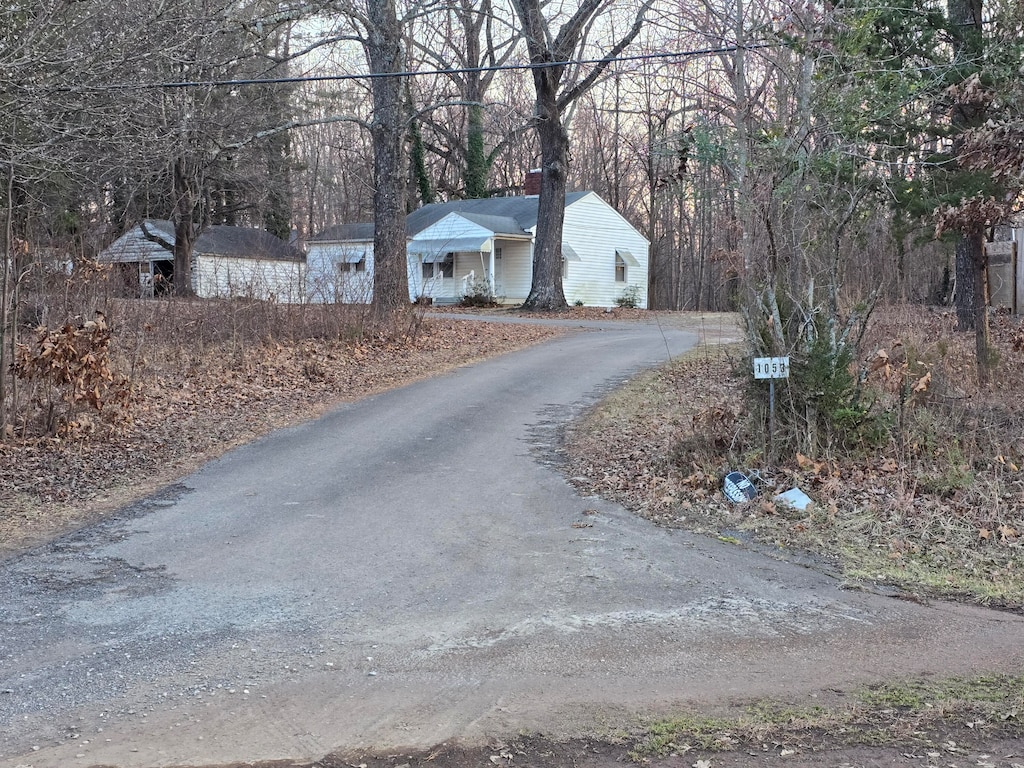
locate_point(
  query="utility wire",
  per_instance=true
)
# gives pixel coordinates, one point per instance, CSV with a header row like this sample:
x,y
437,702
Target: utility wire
x,y
419,73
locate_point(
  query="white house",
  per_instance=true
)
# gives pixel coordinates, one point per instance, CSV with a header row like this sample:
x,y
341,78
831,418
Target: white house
x,y
466,247
227,262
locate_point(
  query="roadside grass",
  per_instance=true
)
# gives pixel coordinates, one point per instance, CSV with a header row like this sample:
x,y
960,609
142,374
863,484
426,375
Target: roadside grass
x,y
915,713
936,511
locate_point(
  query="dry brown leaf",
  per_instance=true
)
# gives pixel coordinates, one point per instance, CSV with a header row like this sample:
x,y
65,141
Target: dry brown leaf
x,y
880,360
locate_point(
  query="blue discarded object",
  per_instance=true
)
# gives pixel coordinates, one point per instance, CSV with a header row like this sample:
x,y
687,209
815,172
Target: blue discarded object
x,y
738,487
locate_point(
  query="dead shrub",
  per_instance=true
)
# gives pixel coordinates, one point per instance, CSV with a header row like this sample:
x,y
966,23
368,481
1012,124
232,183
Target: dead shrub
x,y
69,371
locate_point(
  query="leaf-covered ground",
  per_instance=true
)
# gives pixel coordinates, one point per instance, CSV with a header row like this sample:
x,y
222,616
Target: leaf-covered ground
x,y
933,508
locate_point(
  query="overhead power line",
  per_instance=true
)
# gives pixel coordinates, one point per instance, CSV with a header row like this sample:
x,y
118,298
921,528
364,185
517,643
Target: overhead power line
x,y
421,73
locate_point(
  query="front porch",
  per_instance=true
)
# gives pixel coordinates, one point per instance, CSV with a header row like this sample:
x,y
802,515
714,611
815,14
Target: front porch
x,y
447,272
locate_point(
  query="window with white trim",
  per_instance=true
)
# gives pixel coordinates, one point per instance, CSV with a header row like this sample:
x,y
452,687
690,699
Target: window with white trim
x,y
620,268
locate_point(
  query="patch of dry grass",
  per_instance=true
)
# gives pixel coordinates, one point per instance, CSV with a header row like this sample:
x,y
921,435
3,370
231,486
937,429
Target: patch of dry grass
x,y
936,714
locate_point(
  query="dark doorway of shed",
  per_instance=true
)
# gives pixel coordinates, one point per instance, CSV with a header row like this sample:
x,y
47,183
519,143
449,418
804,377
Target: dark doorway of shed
x,y
163,277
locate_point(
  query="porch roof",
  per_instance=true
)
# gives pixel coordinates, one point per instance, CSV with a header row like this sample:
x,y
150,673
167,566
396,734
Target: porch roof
x,y
443,245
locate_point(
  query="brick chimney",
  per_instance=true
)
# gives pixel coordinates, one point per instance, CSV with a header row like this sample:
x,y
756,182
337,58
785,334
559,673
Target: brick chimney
x,y
533,177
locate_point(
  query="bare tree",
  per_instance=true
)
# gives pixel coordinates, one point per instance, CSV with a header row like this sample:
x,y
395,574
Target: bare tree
x,y
549,57
386,57
470,40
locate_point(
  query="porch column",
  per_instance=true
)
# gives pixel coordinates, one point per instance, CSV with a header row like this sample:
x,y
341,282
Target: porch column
x,y
490,269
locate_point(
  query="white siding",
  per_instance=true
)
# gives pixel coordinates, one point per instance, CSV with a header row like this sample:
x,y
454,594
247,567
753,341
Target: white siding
x,y
225,277
452,227
595,231
327,282
434,288
516,271
213,276
471,274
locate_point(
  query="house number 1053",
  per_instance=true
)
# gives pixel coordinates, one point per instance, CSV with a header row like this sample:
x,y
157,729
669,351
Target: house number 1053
x,y
771,367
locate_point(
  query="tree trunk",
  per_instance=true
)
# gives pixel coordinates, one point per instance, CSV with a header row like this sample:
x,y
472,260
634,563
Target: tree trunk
x,y
979,260
384,52
966,292
6,268
477,165
186,192
549,50
965,17
546,293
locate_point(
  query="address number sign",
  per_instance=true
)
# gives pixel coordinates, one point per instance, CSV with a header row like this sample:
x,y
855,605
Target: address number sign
x,y
771,367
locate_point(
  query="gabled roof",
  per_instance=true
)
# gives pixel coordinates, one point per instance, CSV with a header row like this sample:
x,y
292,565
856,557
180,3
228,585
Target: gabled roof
x,y
522,210
501,215
244,242
499,225
222,240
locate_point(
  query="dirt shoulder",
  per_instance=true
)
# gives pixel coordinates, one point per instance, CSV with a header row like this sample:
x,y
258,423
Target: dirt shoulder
x,y
883,739
926,502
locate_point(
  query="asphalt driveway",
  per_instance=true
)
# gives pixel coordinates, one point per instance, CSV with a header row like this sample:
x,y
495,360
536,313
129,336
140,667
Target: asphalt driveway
x,y
413,568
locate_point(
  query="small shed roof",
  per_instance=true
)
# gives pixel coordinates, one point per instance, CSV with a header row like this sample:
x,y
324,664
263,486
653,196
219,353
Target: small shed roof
x,y
218,240
345,232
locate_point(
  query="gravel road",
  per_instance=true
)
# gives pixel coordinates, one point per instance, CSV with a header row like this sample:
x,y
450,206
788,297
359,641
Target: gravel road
x,y
413,568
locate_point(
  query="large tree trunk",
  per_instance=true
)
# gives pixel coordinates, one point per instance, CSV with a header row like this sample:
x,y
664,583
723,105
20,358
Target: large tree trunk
x,y
548,50
546,288
384,51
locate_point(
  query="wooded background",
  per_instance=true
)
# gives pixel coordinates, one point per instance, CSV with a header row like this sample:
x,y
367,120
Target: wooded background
x,y
699,149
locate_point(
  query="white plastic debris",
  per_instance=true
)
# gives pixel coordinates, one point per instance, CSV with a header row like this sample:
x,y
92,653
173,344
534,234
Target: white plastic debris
x,y
795,498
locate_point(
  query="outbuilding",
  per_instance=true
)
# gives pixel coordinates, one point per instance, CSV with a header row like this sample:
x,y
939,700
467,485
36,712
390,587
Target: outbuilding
x,y
227,262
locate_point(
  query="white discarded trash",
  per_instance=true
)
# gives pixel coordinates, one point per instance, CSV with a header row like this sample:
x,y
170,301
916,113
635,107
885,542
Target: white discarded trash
x,y
796,499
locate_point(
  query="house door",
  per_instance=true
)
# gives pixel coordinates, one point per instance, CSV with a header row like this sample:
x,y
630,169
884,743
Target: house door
x,y
498,274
